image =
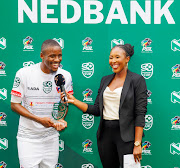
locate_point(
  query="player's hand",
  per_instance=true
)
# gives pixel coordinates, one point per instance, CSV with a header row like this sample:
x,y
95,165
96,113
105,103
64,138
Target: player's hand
x,y
60,125
70,97
46,122
137,152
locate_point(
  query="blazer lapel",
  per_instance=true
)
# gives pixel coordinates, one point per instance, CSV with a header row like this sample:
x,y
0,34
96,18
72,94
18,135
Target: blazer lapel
x,y
125,88
106,83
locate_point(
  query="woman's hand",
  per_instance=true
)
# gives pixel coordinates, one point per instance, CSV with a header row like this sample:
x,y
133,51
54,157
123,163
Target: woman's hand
x,y
60,125
70,97
137,152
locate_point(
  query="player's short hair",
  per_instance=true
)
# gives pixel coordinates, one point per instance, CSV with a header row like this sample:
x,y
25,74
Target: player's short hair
x,y
49,43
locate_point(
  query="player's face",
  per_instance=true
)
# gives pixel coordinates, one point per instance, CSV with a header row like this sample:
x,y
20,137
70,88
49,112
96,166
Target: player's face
x,y
118,59
51,59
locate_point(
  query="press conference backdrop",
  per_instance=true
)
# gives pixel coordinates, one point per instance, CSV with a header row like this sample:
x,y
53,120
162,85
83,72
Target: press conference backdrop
x,y
87,30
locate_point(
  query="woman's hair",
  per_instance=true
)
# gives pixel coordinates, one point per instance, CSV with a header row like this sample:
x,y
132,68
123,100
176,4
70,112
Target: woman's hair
x,y
128,48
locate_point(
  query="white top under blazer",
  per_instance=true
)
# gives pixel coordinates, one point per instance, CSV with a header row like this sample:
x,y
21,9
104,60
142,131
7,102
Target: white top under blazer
x,y
111,102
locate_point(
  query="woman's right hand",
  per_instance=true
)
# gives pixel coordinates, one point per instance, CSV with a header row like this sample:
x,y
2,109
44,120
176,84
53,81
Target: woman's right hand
x,y
70,97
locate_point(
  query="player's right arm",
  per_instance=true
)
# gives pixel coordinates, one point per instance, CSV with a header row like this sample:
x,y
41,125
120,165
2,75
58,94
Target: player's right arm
x,y
18,108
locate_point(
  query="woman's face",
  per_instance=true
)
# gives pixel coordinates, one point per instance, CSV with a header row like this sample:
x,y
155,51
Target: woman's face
x,y
118,59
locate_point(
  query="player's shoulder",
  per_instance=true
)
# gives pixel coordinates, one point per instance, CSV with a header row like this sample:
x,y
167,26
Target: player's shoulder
x,y
28,69
65,73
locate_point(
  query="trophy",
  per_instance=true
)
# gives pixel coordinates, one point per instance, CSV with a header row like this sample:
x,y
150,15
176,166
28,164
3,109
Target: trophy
x,y
59,109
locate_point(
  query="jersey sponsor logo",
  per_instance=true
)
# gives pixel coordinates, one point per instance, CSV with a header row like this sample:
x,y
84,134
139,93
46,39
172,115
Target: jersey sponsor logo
x,y
3,143
147,70
3,94
115,42
3,164
16,93
47,87
87,166
17,82
2,117
32,88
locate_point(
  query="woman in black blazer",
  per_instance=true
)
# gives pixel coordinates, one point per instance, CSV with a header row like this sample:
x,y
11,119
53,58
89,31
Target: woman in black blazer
x,y
122,104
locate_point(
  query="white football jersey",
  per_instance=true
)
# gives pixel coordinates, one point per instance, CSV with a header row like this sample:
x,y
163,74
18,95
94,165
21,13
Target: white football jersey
x,y
38,93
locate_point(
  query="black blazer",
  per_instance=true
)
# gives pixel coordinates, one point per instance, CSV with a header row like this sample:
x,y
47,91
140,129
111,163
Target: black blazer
x,y
133,105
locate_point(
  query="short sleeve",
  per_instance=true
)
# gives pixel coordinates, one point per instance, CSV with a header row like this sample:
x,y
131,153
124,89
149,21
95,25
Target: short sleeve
x,y
69,84
18,87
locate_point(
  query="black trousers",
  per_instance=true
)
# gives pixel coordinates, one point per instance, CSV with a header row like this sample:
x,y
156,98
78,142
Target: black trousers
x,y
111,147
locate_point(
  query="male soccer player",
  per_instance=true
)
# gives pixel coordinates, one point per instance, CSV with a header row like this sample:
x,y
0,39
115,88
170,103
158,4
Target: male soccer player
x,y
33,96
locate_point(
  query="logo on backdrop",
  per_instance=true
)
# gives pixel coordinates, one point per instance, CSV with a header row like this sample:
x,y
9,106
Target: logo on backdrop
x,y
28,44
2,67
61,145
29,63
3,164
60,42
2,43
47,87
146,43
87,69
87,44
17,82
87,96
145,148
175,97
3,94
146,166
175,123
175,148
175,45
3,143
148,99
147,70
59,165
86,145
2,117
148,122
115,42
87,166
176,71
87,121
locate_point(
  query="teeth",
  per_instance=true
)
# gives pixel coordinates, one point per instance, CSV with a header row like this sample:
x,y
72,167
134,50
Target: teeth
x,y
115,66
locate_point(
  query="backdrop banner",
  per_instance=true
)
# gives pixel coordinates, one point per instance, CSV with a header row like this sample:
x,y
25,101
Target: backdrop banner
x,y
86,31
